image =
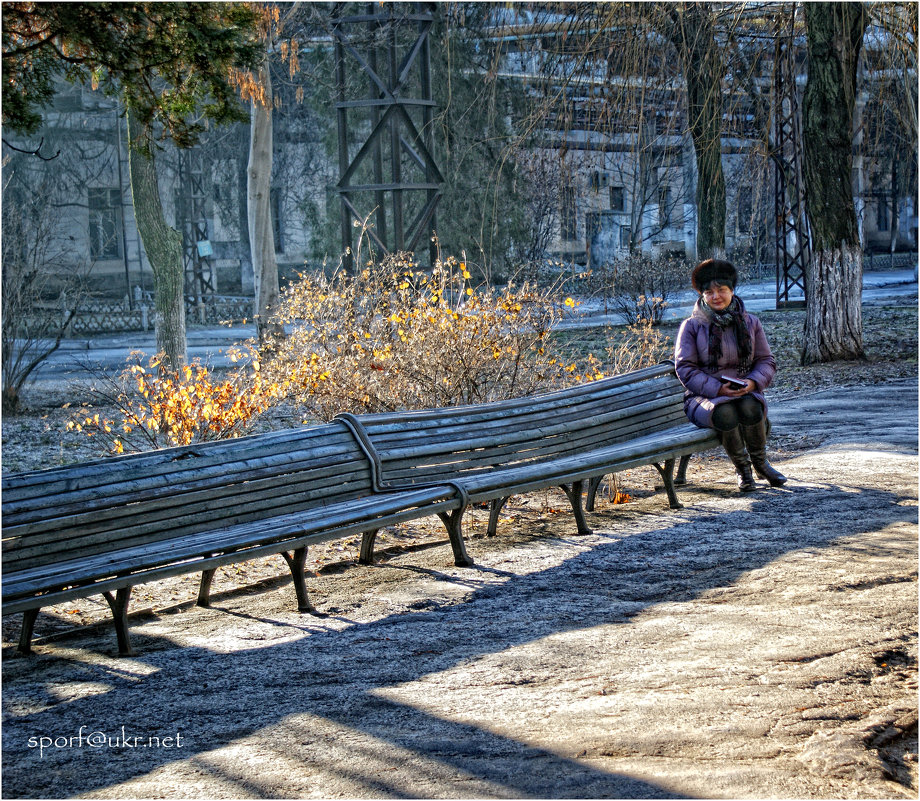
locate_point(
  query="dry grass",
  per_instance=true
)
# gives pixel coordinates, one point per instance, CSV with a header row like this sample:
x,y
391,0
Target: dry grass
x,y
38,436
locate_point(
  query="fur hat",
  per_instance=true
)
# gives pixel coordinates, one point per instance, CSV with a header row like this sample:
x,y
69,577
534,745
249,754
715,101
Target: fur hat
x,y
706,272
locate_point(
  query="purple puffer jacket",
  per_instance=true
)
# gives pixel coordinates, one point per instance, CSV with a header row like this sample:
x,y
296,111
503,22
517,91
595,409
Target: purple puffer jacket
x,y
691,357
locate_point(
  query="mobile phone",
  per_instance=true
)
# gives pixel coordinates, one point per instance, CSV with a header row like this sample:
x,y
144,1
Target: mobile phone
x,y
734,383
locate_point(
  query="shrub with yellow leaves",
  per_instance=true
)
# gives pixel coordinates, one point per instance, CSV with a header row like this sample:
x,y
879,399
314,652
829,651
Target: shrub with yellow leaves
x,y
396,337
158,408
640,344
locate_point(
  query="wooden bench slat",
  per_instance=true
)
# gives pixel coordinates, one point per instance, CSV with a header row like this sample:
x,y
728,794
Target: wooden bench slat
x,y
323,534
186,489
407,425
462,463
166,460
502,408
589,436
200,472
462,471
303,490
546,429
622,456
362,512
482,434
76,535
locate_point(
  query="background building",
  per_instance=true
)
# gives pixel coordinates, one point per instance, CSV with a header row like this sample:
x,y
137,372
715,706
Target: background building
x,y
593,125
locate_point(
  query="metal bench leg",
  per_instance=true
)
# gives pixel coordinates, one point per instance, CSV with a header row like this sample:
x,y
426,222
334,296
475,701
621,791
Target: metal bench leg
x,y
204,589
296,562
452,522
573,493
680,477
119,606
28,626
367,547
667,475
593,486
495,509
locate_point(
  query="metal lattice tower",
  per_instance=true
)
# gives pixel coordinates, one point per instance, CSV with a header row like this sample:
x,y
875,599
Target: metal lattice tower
x,y
391,180
793,242
200,276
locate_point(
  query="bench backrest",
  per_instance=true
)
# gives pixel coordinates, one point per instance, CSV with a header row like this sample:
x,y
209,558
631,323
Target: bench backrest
x,y
53,515
436,445
78,510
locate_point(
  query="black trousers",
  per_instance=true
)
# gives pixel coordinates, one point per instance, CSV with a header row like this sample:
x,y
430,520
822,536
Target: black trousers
x,y
744,411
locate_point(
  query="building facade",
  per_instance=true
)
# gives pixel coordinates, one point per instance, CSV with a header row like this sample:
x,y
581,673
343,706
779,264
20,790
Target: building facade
x,y
613,159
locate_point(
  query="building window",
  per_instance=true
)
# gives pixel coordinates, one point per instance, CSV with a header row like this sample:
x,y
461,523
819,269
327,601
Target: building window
x,y
104,208
226,206
881,212
624,237
745,209
664,206
567,213
275,197
617,198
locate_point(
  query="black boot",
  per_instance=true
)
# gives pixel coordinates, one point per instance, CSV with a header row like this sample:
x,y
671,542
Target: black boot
x,y
734,447
755,437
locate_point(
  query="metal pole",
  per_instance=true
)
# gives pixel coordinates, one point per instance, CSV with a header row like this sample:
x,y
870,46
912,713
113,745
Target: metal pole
x,y
121,209
395,147
793,251
342,121
374,94
428,134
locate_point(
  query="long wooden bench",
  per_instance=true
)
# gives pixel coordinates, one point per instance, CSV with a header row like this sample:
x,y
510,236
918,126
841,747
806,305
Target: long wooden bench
x,y
106,526
569,438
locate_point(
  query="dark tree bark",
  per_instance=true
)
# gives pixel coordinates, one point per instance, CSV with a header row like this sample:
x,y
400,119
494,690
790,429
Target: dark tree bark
x,y
261,231
163,246
833,322
689,27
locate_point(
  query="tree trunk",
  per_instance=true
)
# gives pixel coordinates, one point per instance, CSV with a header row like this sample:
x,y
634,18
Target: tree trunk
x,y
833,327
690,29
163,246
261,232
833,279
704,105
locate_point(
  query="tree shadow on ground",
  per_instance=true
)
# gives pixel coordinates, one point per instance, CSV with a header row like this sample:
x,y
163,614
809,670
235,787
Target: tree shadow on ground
x,y
313,703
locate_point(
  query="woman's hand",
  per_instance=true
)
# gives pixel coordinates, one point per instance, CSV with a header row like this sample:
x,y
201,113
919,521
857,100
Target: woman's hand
x,y
728,392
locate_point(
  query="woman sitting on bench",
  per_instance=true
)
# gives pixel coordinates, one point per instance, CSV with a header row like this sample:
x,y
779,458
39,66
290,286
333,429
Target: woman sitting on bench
x,y
724,361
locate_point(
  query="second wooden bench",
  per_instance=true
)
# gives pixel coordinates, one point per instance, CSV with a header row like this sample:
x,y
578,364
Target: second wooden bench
x,y
569,438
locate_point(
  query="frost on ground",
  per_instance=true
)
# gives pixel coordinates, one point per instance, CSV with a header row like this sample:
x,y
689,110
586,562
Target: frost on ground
x,y
757,645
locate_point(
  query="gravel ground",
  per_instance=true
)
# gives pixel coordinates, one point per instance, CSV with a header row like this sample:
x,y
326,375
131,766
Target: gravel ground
x,y
759,645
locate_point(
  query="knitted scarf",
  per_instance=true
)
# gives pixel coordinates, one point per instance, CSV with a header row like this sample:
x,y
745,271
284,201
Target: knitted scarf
x,y
730,317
